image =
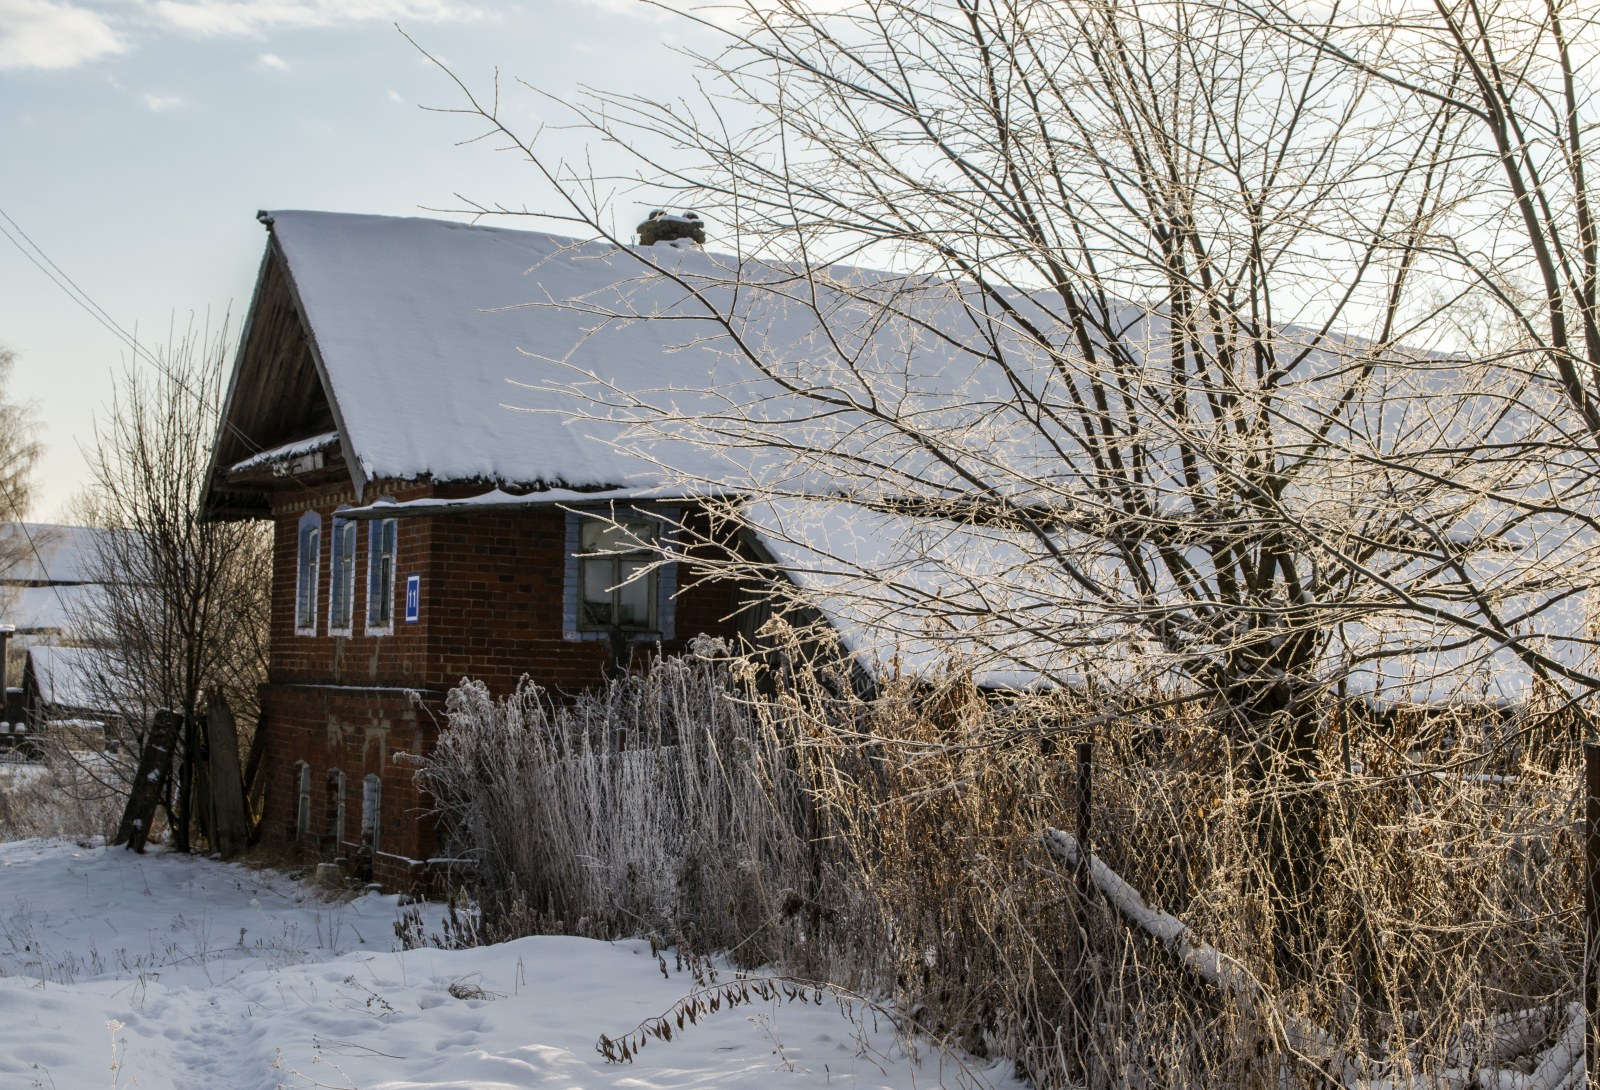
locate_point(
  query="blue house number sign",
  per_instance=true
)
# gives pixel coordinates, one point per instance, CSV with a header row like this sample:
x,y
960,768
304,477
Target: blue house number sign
x,y
413,598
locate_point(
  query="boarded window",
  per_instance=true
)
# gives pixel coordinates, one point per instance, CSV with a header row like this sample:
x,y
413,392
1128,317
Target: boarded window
x,y
335,806
302,810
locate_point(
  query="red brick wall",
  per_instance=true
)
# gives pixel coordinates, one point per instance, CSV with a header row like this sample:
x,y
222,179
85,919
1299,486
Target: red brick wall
x,y
359,733
492,609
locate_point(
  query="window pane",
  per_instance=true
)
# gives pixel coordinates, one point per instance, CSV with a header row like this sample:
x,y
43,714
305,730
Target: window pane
x,y
627,536
633,596
595,577
305,606
343,589
380,574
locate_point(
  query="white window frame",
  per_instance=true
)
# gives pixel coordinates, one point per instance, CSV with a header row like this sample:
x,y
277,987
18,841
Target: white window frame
x,y
302,809
371,809
383,542
342,576
308,573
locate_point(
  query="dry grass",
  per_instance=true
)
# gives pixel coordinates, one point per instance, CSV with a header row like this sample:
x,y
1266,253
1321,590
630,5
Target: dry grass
x,y
55,797
895,847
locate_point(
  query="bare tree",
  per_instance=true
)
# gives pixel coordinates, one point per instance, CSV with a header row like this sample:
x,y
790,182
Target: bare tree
x,y
1516,80
189,609
1161,400
19,452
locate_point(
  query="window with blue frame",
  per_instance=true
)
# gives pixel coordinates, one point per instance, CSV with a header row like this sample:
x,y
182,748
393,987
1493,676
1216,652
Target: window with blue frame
x,y
342,585
308,572
617,582
382,539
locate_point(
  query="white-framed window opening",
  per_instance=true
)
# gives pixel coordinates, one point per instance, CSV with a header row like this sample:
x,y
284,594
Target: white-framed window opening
x,y
618,573
342,577
302,810
371,809
308,572
382,541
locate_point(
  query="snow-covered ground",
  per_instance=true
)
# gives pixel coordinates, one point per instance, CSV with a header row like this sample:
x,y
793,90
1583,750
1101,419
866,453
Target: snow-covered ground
x,y
158,971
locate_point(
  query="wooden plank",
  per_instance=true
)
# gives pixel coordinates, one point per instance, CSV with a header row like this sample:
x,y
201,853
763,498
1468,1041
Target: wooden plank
x,y
155,766
230,817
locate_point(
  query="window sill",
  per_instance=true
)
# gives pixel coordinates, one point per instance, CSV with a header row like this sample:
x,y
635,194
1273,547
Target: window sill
x,y
598,634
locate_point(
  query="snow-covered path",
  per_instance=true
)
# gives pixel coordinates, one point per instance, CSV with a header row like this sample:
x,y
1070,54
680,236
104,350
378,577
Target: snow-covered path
x,y
222,977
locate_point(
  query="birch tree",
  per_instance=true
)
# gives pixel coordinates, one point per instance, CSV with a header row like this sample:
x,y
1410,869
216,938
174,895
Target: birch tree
x,y
1196,424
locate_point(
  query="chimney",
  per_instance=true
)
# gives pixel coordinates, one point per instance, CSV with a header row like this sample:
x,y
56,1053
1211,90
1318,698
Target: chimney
x,y
664,226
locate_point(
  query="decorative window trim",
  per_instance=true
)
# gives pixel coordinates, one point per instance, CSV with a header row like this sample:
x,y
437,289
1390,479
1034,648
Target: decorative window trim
x,y
665,576
308,573
302,808
342,575
336,779
371,810
379,533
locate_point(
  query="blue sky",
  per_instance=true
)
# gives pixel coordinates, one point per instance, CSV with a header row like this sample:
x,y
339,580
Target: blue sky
x,y
141,136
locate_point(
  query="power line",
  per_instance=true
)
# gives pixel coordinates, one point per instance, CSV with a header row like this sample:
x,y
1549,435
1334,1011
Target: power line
x,y
59,277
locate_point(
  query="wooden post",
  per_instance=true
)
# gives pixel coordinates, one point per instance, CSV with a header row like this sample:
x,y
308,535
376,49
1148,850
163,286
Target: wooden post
x,y
230,827
1088,998
1591,906
149,783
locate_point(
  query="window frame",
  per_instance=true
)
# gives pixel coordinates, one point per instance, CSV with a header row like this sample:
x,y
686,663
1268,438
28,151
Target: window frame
x,y
308,573
606,568
336,780
371,810
302,808
662,577
379,532
342,548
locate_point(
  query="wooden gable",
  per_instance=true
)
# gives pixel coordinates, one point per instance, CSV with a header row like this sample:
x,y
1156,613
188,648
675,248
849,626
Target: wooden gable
x,y
278,396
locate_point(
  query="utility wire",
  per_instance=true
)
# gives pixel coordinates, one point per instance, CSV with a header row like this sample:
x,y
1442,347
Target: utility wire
x,y
61,279
58,276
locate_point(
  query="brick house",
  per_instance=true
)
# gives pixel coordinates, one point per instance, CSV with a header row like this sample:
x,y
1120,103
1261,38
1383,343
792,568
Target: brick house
x,y
429,414
424,532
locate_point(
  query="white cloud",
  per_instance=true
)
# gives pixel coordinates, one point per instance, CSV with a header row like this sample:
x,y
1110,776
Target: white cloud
x,y
273,61
42,34
158,103
394,96
253,18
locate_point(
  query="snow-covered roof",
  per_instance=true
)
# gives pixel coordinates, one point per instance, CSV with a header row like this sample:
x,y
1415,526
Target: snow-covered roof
x,y
289,451
50,553
74,677
53,608
498,500
580,371
424,328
